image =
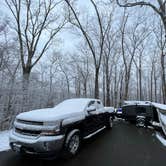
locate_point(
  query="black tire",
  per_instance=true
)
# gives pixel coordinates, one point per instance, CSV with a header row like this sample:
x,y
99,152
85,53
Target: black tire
x,y
109,124
72,143
140,122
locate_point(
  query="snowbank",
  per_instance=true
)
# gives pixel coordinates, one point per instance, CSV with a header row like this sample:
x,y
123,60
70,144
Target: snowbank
x,y
161,139
4,141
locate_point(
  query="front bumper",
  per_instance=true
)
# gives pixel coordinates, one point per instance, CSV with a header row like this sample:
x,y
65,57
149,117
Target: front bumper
x,y
41,145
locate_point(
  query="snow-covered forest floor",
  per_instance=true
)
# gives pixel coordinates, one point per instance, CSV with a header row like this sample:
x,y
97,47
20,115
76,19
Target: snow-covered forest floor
x,y
4,140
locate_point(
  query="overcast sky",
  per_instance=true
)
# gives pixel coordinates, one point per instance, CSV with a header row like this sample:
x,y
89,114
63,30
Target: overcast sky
x,y
69,40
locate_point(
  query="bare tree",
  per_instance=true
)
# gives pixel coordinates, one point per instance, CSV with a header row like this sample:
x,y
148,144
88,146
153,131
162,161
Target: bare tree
x,y
53,69
9,65
131,43
109,61
97,56
82,65
32,21
159,7
161,43
65,69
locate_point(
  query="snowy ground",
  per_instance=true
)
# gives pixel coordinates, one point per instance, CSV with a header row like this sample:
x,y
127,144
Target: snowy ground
x,y
4,141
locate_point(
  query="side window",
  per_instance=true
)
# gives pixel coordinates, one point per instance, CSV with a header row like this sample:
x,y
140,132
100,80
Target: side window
x,y
141,110
98,102
99,105
91,103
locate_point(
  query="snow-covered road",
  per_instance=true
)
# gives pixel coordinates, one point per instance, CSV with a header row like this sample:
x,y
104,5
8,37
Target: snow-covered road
x,y
4,140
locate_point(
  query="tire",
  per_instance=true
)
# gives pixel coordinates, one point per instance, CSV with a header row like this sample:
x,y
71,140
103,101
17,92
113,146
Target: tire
x,y
109,124
72,143
140,121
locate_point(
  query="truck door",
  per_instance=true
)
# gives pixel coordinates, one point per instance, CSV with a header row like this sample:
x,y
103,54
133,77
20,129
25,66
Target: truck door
x,y
91,121
101,114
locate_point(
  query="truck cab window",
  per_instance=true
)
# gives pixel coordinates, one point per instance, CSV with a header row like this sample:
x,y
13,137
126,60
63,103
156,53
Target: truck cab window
x,y
91,103
141,110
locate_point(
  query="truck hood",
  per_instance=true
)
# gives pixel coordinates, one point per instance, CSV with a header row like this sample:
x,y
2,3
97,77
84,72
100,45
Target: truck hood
x,y
48,114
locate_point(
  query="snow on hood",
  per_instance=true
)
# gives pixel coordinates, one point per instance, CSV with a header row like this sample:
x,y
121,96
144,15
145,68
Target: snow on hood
x,y
71,107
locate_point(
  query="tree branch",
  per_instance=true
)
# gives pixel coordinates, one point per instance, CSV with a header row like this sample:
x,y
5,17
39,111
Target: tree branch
x,y
141,3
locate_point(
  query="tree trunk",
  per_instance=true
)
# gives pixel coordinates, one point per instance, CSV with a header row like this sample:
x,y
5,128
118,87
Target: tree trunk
x,y
126,86
137,78
151,85
107,93
96,83
140,85
140,78
104,86
107,88
85,88
163,79
155,86
121,91
25,89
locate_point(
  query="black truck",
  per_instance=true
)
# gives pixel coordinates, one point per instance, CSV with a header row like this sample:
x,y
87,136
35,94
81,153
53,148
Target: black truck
x,y
141,113
46,132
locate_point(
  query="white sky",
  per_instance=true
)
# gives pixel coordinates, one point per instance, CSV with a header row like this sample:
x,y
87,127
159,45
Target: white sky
x,y
69,40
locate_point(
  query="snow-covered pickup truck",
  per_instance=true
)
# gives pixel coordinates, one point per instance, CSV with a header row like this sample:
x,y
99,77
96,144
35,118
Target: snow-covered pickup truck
x,y
44,132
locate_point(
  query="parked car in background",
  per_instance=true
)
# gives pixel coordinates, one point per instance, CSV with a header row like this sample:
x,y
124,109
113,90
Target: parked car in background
x,y
111,110
46,132
143,113
118,113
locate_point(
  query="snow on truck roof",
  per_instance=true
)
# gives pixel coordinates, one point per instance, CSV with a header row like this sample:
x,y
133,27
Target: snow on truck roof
x,y
146,103
135,102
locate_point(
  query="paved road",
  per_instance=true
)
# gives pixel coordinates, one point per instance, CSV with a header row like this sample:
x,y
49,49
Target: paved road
x,y
124,145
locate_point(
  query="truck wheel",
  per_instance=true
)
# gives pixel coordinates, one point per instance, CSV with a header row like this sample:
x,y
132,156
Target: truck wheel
x,y
140,121
109,124
72,143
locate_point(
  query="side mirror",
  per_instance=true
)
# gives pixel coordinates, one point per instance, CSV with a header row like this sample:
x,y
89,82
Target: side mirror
x,y
91,109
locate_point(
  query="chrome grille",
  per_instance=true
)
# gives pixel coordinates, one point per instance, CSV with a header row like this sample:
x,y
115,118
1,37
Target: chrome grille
x,y
27,132
29,122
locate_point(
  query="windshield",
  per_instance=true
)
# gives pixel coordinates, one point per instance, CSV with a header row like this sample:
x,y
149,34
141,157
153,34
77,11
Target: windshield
x,y
73,105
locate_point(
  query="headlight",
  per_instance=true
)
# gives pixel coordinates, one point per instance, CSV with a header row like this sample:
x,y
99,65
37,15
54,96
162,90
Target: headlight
x,y
50,123
53,128
49,133
53,123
